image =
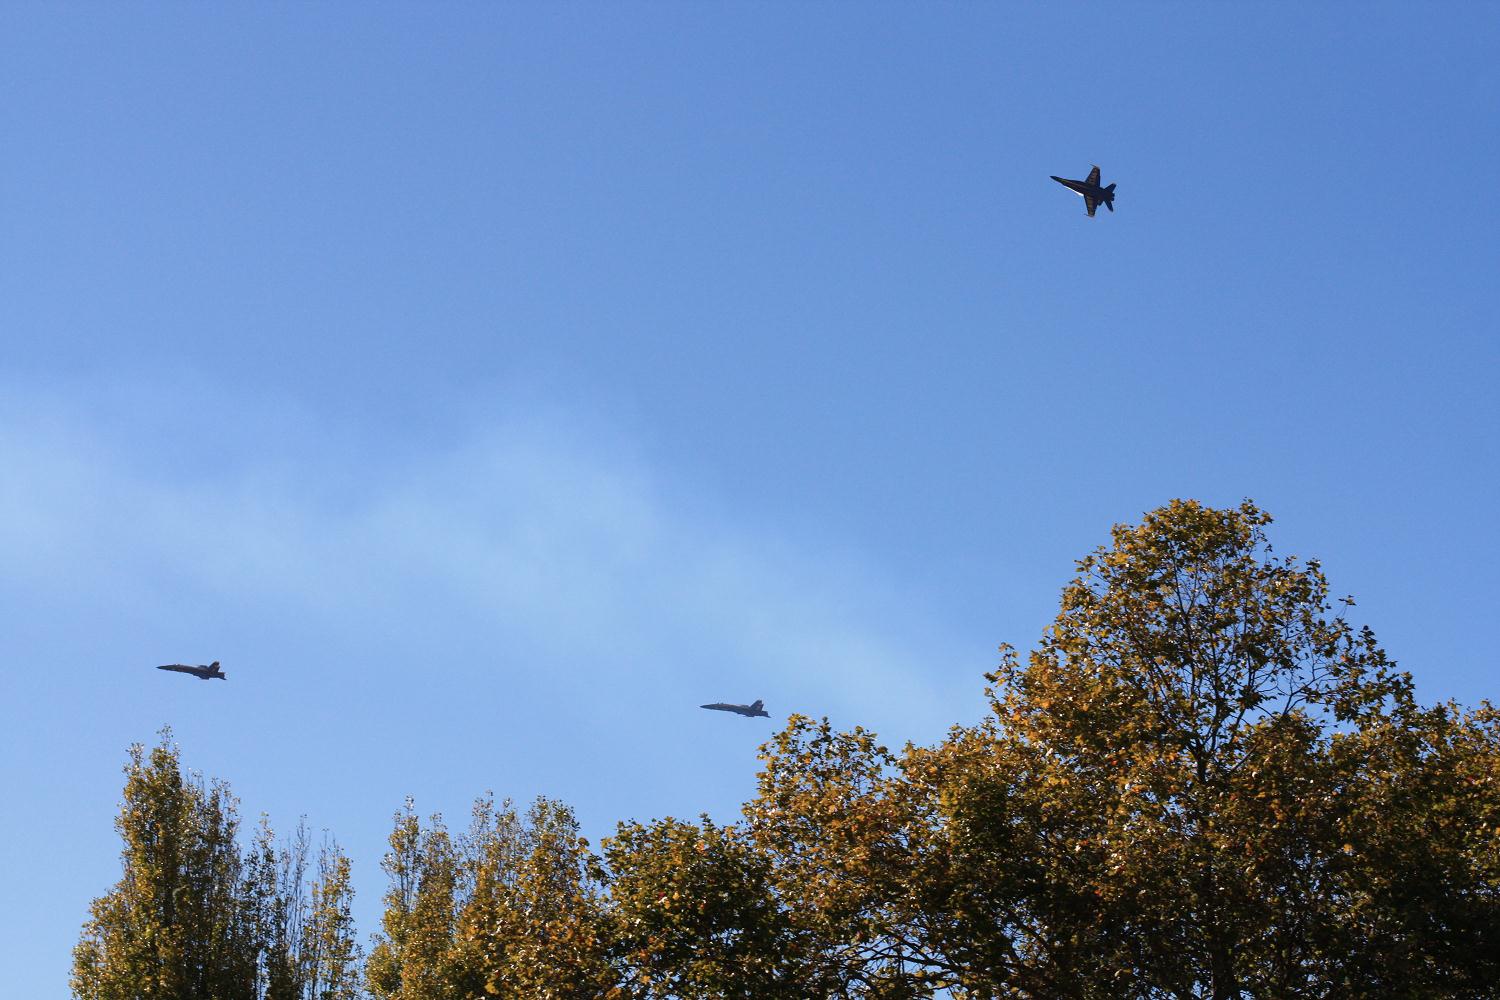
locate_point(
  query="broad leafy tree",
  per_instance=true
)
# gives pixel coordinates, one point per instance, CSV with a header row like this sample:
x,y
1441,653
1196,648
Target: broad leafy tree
x,y
1204,782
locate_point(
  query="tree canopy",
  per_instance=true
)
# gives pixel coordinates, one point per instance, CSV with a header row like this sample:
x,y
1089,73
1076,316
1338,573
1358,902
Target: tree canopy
x,y
194,917
1203,782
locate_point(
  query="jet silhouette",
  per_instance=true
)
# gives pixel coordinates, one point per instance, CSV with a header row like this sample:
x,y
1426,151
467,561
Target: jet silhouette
x,y
749,711
1092,193
201,672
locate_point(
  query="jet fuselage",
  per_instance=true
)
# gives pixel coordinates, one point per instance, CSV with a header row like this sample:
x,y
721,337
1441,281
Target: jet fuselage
x,y
756,710
210,672
1093,194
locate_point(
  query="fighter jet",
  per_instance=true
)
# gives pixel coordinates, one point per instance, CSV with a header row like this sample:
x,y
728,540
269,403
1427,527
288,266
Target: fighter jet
x,y
749,711
201,672
1092,193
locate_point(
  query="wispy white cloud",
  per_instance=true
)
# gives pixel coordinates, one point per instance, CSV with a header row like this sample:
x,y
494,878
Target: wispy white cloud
x,y
539,534
523,604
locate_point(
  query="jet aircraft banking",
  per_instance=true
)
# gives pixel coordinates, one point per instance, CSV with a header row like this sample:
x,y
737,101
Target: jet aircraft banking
x,y
201,672
749,711
1092,193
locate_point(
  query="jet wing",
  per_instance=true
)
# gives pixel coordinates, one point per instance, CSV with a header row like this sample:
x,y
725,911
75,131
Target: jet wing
x,y
1093,179
1090,203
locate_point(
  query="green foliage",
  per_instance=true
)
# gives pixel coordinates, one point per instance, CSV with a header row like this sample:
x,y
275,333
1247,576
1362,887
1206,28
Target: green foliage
x,y
329,956
513,908
193,919
695,913
182,921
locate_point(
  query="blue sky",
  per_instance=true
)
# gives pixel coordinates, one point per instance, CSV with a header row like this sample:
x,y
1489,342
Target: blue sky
x,y
489,385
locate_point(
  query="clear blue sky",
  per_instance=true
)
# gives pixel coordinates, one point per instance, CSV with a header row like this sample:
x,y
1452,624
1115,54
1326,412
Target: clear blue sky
x,y
489,385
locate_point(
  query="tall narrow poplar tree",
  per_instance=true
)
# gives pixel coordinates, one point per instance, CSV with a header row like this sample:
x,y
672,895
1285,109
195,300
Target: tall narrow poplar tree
x,y
194,919
180,924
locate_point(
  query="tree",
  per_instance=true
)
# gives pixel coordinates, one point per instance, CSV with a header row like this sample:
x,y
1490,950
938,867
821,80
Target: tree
x,y
330,955
309,950
1205,783
695,914
193,919
180,924
540,894
1202,784
414,958
854,861
514,907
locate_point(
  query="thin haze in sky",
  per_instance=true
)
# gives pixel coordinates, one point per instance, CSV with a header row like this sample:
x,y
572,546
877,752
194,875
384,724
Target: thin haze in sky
x,y
488,386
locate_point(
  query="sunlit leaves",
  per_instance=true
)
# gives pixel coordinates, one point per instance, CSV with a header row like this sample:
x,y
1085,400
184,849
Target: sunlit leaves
x,y
1202,782
1239,777
695,913
192,917
513,907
